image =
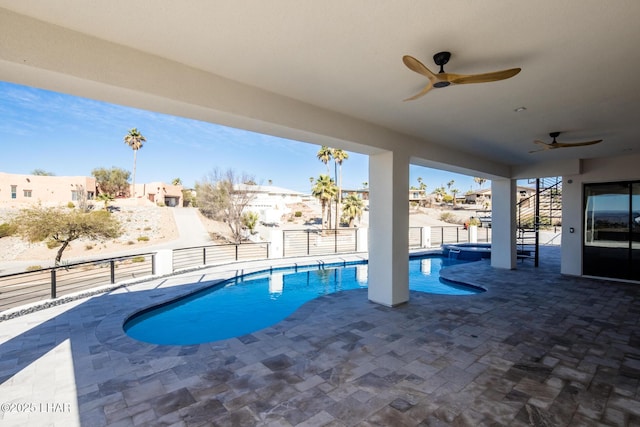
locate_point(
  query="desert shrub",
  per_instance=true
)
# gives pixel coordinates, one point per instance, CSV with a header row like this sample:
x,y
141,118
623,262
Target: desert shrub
x,y
137,259
147,229
34,268
131,242
51,243
70,205
447,217
297,214
88,246
143,239
474,221
7,229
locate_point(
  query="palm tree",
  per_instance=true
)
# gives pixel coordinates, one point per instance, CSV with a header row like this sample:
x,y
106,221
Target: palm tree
x,y
176,181
422,185
440,193
480,181
325,154
134,139
450,184
324,190
339,156
454,191
352,208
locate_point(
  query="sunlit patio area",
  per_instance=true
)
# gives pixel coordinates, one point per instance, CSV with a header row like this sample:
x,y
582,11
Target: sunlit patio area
x,y
537,349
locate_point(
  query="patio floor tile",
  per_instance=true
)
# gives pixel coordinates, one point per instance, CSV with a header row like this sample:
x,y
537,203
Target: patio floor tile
x,y
536,349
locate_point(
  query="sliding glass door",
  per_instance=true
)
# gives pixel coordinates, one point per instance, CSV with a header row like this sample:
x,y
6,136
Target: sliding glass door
x,y
612,230
635,231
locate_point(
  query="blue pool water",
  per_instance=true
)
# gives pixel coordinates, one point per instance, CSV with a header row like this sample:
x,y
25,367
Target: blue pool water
x,y
252,302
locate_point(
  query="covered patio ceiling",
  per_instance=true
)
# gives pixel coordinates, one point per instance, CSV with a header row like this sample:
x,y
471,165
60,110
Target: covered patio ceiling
x,y
327,65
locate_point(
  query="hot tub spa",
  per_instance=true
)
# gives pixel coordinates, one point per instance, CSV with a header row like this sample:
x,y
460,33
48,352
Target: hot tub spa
x,y
467,251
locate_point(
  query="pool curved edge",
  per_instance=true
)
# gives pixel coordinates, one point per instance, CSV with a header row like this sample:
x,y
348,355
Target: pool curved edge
x,y
155,296
480,288
206,285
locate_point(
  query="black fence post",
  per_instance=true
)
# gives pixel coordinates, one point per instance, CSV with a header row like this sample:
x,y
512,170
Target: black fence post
x,y
335,239
204,255
53,283
237,251
308,243
268,244
112,266
153,264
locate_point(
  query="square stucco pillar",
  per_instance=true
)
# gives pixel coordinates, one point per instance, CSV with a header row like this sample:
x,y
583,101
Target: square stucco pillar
x,y
389,228
503,223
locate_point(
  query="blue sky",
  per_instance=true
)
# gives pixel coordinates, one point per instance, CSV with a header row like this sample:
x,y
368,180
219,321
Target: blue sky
x,y
70,136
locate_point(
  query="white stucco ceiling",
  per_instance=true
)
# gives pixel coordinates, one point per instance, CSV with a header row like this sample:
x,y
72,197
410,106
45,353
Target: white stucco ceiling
x,y
579,60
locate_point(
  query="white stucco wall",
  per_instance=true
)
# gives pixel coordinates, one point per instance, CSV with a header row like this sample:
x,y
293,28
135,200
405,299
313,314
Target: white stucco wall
x,y
623,168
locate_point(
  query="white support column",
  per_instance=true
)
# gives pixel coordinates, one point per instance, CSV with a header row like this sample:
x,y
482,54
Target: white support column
x,y
276,250
473,234
362,237
389,228
163,262
425,235
503,223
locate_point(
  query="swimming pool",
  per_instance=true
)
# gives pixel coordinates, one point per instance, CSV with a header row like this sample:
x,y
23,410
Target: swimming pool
x,y
252,302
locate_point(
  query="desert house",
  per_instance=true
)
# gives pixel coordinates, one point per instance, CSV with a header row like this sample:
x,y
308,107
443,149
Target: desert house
x,y
160,193
19,189
270,202
31,189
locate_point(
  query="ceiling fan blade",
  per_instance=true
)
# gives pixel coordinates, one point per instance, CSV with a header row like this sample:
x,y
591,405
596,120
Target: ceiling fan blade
x,y
414,65
486,77
537,141
423,92
537,151
577,144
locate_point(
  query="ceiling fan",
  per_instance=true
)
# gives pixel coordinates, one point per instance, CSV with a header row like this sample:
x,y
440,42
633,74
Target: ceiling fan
x,y
555,144
442,79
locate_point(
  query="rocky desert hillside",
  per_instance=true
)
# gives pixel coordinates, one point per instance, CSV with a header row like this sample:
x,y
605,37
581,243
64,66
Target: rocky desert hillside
x,y
142,226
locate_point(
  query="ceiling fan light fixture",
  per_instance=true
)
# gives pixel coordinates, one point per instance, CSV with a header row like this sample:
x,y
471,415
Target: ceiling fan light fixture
x,y
520,109
555,144
443,79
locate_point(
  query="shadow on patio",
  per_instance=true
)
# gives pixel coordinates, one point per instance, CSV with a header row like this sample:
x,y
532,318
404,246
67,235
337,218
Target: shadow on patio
x,y
537,349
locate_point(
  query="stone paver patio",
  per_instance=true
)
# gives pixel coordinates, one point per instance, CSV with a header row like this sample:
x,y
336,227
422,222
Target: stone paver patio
x,y
536,349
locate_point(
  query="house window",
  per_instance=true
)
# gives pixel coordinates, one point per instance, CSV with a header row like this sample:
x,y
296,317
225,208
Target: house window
x,y
90,195
14,191
74,195
27,193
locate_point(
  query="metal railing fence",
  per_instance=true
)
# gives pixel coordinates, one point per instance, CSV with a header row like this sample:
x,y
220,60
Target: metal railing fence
x,y
33,286
319,242
218,254
54,282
